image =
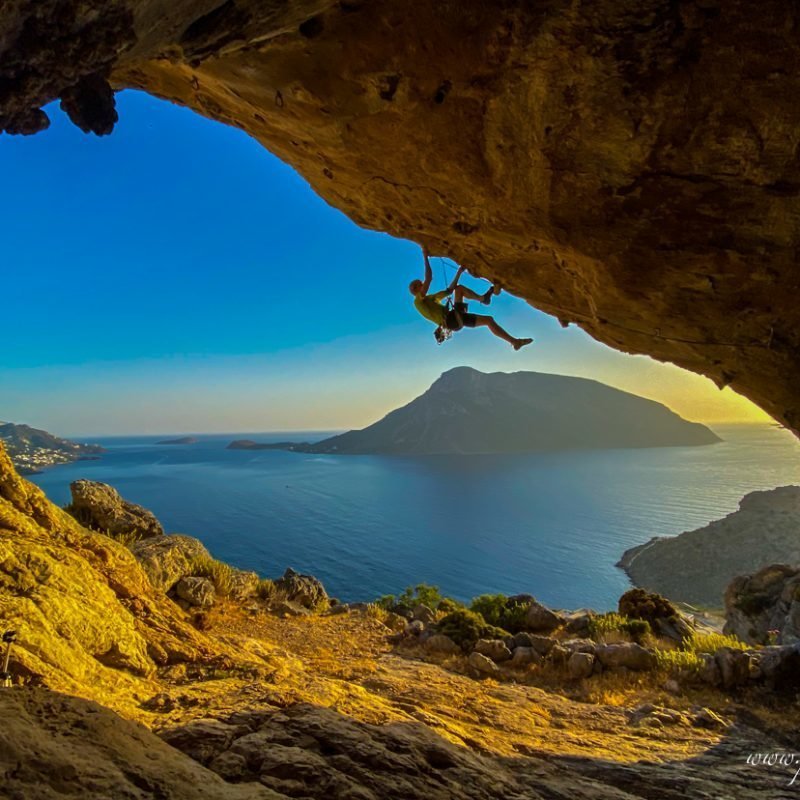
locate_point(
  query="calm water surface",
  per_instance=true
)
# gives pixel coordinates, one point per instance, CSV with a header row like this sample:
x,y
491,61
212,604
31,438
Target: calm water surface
x,y
550,524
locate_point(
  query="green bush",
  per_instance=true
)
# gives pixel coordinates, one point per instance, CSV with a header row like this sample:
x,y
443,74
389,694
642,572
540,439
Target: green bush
x,y
502,611
637,629
412,596
649,606
421,593
447,604
465,627
387,602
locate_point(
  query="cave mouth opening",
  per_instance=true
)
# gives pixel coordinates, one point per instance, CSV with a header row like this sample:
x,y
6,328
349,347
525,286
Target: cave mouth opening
x,y
202,211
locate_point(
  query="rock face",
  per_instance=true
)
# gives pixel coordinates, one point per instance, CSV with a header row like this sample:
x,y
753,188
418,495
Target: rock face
x,y
697,566
198,592
630,169
767,601
304,590
540,618
467,411
494,649
89,621
629,655
70,745
100,507
167,559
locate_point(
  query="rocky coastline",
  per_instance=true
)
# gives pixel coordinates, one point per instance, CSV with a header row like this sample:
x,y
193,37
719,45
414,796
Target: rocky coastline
x,y
33,450
696,567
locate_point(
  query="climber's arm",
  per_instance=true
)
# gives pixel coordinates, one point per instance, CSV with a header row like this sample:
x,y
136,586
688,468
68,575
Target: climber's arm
x,y
452,287
426,283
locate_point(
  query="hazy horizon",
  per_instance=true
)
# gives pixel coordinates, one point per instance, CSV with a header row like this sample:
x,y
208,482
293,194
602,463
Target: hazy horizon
x,y
162,297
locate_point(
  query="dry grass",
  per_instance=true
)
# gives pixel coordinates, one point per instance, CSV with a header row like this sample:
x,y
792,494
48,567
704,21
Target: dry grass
x,y
265,590
219,573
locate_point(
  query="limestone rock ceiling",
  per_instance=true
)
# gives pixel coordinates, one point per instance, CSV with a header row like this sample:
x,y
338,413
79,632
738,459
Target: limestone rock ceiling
x,y
630,166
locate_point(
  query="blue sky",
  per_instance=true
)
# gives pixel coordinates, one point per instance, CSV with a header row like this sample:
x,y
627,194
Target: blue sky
x,y
176,277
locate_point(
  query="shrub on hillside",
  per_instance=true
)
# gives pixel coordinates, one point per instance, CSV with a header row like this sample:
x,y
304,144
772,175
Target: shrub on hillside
x,y
649,606
465,627
412,596
502,611
447,604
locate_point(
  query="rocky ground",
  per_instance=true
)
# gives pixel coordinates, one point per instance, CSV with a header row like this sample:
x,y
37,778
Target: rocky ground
x,y
346,715
127,689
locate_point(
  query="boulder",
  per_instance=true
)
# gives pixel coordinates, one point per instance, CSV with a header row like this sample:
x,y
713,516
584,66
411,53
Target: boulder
x,y
780,666
520,640
305,590
540,618
394,622
285,608
202,739
764,608
243,584
702,717
578,623
198,592
494,649
423,613
625,655
416,627
735,667
167,559
578,645
522,656
101,508
542,644
558,654
654,716
439,643
677,629
580,665
483,664
709,671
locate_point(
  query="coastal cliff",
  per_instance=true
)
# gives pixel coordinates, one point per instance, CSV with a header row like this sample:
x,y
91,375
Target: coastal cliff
x,y
32,449
697,566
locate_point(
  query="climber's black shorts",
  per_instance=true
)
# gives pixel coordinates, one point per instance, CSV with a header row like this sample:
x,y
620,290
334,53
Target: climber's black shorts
x,y
457,320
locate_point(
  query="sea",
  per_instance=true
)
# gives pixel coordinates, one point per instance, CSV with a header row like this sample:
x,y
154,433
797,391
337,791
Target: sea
x,y
549,524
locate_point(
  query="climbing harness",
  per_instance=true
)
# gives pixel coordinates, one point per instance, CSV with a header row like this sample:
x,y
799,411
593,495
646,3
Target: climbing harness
x,y
9,637
442,333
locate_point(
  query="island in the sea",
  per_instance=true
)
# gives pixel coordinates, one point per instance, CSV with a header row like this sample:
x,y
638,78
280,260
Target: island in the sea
x,y
249,444
32,449
180,440
470,412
